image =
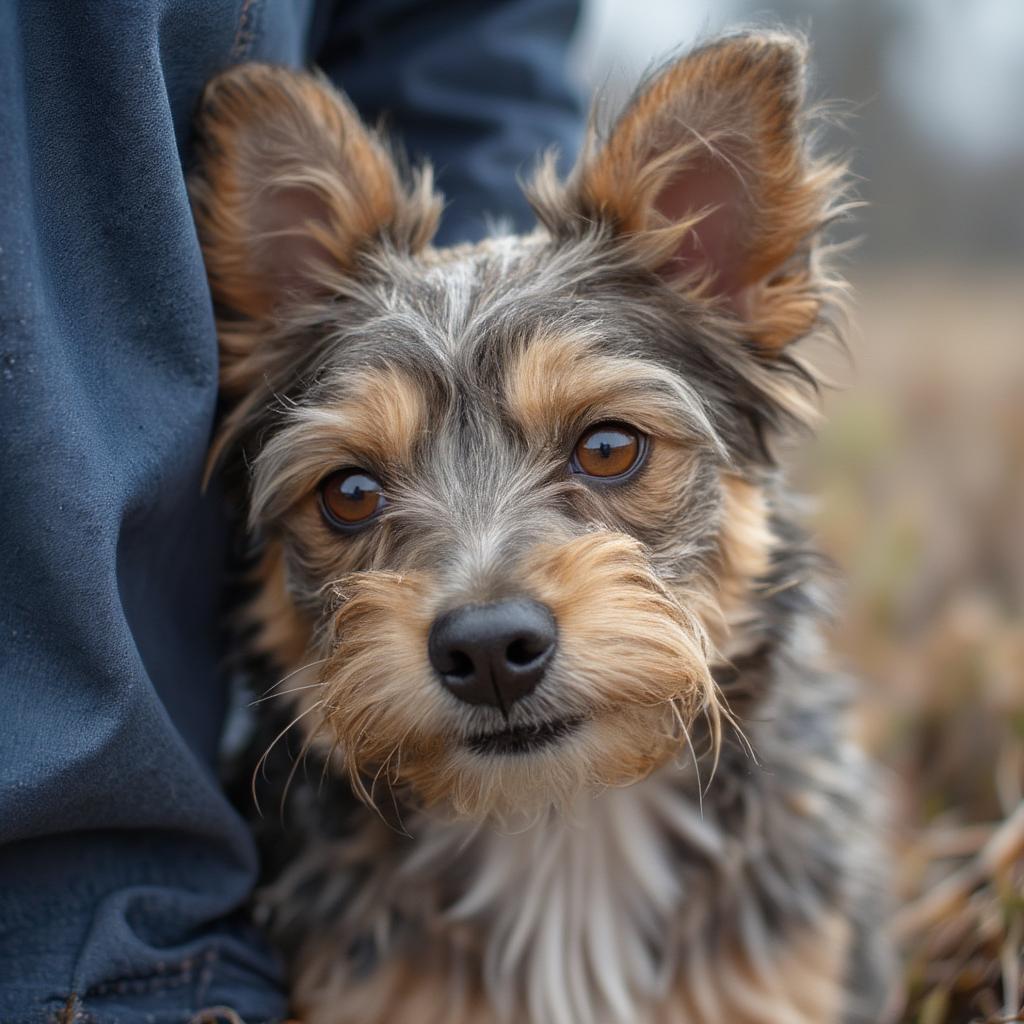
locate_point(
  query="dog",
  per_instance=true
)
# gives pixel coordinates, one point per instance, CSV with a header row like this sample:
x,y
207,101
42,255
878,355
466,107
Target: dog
x,y
525,569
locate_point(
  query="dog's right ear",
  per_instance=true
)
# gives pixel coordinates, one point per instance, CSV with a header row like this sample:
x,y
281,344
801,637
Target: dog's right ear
x,y
290,187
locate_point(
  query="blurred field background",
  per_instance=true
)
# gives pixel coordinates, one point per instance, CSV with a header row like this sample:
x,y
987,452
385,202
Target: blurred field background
x,y
919,471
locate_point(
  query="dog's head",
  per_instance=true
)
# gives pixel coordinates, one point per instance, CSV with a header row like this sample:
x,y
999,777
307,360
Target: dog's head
x,y
512,492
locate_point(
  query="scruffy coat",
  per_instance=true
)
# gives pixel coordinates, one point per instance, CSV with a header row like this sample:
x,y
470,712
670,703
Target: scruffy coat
x,y
686,832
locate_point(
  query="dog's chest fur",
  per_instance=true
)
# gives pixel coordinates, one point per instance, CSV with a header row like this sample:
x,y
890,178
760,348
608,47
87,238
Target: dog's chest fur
x,y
573,912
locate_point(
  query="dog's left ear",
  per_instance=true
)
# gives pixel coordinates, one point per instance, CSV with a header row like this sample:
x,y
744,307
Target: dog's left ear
x,y
709,177
290,193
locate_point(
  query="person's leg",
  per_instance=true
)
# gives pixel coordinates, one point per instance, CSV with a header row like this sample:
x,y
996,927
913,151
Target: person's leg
x,y
123,867
481,89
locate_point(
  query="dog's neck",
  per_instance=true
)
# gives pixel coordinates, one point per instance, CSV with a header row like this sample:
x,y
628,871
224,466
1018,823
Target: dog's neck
x,y
574,910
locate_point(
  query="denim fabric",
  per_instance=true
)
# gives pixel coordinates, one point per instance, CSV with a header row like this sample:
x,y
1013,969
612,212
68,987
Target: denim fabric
x,y
123,869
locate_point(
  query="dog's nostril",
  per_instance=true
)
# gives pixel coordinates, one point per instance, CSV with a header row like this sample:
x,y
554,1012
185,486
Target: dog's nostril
x,y
460,665
524,650
493,653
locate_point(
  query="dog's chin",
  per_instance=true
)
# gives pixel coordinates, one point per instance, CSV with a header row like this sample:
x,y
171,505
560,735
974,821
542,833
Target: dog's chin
x,y
513,776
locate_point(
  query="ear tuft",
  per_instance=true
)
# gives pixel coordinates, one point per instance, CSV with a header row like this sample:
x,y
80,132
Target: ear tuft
x,y
708,175
290,186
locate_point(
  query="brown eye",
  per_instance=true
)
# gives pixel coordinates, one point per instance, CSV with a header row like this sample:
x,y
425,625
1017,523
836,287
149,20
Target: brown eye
x,y
350,498
608,450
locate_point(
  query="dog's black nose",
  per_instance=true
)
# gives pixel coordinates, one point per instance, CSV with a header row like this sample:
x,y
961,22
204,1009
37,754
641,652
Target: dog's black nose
x,y
493,653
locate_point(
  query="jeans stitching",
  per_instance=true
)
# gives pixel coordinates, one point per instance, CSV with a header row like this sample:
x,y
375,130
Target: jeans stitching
x,y
166,976
245,34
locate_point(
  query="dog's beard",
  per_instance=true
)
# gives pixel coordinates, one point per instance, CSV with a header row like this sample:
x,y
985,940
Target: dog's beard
x,y
630,677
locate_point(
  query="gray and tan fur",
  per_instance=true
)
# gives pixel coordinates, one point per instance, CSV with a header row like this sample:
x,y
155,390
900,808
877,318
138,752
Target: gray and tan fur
x,y
695,841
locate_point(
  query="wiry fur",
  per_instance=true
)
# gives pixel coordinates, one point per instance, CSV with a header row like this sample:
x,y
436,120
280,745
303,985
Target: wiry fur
x,y
699,842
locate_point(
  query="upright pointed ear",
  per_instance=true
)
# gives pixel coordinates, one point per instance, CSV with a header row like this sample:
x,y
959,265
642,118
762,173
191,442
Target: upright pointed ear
x,y
290,186
708,175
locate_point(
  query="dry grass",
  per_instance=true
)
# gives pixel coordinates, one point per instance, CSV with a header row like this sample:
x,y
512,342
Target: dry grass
x,y
921,476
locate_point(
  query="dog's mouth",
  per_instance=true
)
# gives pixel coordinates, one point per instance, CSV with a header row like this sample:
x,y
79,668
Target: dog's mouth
x,y
523,739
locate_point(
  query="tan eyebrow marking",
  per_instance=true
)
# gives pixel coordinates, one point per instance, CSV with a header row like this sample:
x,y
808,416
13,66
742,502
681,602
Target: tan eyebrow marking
x,y
557,379
375,425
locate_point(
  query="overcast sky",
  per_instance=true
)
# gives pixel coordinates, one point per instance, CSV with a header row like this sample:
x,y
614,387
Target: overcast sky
x,y
956,67
934,114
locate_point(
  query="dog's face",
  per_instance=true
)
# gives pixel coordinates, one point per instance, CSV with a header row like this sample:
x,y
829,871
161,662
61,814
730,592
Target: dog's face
x,y
511,491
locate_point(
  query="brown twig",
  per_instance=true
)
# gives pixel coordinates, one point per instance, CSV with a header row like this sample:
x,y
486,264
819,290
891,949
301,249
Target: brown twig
x,y
1003,849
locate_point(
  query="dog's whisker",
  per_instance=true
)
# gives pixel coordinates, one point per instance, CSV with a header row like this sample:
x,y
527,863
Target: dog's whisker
x,y
258,770
325,768
681,721
284,693
732,720
284,679
391,783
712,712
307,744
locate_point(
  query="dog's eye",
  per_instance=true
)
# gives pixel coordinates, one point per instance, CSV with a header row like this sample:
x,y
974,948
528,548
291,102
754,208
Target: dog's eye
x,y
609,451
350,498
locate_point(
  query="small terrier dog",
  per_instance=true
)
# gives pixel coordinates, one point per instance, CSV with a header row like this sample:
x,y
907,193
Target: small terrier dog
x,y
572,751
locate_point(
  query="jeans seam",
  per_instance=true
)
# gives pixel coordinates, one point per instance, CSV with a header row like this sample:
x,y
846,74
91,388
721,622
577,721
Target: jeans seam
x,y
166,976
245,33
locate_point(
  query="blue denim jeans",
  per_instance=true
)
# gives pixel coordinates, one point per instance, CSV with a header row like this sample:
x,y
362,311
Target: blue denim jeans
x,y
124,872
